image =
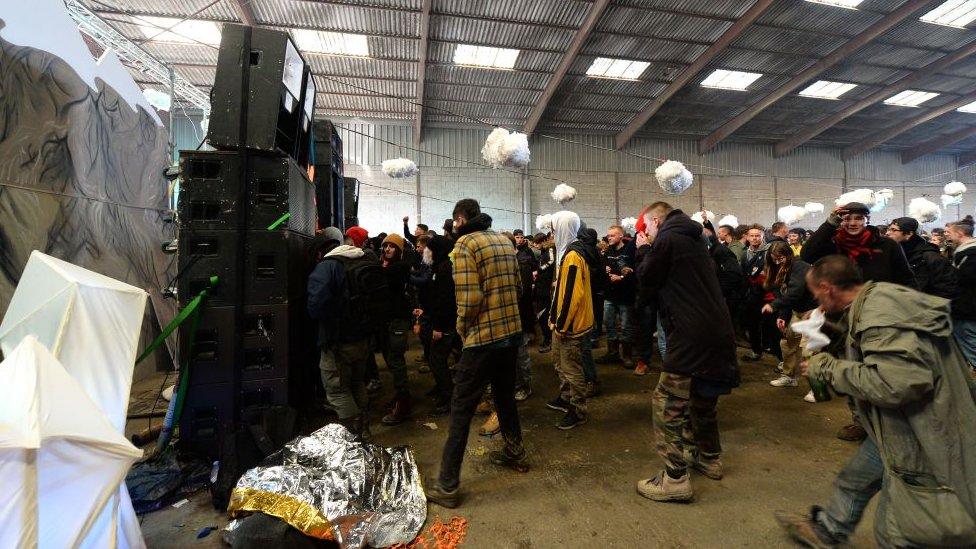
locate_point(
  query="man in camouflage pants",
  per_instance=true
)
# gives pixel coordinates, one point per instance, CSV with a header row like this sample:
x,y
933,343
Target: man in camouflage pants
x,y
686,426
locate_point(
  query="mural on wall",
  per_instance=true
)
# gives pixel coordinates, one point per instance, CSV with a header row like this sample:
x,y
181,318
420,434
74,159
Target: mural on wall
x,y
81,168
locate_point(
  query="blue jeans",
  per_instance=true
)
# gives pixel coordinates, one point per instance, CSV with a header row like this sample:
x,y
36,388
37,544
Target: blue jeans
x,y
965,333
854,487
586,348
649,320
613,311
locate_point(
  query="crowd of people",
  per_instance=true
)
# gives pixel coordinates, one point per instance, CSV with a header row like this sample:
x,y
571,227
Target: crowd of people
x,y
898,307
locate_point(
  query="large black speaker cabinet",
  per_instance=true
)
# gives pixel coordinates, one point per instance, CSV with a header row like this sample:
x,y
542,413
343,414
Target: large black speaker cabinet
x,y
263,96
351,201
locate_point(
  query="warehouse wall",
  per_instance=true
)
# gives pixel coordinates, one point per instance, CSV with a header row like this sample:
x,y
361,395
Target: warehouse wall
x,y
736,178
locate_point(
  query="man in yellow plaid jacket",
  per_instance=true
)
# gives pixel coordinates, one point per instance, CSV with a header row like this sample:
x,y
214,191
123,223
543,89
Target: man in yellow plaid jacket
x,y
487,286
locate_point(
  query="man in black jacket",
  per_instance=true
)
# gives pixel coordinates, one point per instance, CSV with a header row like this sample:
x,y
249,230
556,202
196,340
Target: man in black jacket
x,y
933,272
960,233
753,264
394,337
619,295
700,363
439,306
528,264
727,267
417,232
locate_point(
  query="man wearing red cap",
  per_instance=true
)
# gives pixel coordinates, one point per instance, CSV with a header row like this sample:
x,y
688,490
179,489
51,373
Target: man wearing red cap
x,y
357,235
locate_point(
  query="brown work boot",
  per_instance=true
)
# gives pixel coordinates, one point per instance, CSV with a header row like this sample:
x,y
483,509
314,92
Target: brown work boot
x,y
484,408
402,410
514,461
852,433
612,355
664,488
491,426
802,530
445,498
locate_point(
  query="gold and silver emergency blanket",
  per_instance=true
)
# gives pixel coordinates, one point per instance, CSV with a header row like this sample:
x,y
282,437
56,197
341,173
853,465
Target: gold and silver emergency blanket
x,y
330,485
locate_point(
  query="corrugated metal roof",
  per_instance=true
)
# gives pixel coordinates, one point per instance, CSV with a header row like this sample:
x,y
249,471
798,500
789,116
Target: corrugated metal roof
x,y
670,34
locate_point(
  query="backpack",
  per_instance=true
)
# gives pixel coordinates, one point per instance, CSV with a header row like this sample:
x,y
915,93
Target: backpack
x,y
367,295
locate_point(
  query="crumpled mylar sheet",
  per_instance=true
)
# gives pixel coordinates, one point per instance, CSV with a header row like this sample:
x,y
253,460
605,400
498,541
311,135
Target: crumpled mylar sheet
x,y
329,485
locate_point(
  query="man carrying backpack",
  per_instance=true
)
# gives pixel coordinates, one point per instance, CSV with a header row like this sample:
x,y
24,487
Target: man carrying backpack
x,y
344,344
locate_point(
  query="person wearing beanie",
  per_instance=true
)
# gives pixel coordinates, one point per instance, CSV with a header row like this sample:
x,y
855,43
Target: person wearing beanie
x,y
393,339
358,235
933,272
438,317
848,232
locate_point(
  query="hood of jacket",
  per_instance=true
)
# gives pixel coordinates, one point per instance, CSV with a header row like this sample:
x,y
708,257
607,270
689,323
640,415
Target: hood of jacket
x,y
679,223
440,247
918,245
347,251
967,246
585,245
565,228
480,222
894,305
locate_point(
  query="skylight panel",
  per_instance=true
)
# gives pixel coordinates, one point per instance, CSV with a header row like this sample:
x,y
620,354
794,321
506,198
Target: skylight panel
x,y
971,108
954,13
485,56
825,89
331,43
849,4
603,67
730,80
191,31
910,98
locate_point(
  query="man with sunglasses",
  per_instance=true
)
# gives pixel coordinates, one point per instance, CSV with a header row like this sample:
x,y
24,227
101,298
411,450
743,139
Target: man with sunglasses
x,y
848,232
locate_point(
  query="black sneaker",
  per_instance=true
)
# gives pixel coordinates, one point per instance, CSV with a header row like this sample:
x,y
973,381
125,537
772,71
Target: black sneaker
x,y
504,459
558,404
570,420
442,497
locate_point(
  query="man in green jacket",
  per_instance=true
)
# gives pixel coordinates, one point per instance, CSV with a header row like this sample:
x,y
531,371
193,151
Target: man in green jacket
x,y
914,397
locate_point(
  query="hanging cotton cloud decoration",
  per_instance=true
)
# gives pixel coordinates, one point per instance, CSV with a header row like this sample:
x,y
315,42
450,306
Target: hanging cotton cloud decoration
x,y
924,210
881,200
791,214
629,224
864,196
673,177
543,223
949,200
730,220
508,149
563,193
697,216
814,207
400,167
954,188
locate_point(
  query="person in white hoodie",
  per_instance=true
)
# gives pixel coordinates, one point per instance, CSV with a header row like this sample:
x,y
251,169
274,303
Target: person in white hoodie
x,y
344,345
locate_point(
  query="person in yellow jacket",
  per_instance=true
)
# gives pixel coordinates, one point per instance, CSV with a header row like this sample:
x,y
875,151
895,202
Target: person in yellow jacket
x,y
571,317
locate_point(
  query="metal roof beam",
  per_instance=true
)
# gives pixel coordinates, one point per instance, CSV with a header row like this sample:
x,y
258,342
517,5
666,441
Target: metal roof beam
x,y
816,129
704,59
877,29
245,12
880,137
936,144
596,11
418,124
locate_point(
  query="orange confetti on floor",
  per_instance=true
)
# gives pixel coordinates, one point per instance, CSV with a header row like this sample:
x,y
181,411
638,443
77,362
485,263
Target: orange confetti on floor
x,y
440,535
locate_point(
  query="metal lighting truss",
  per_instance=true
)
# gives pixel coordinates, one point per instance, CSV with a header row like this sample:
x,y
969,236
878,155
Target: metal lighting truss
x,y
109,38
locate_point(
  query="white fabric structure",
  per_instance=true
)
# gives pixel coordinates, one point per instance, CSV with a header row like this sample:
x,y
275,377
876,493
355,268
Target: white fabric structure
x,y
61,460
91,324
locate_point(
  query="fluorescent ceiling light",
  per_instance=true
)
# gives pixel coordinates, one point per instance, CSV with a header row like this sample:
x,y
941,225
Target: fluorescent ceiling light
x,y
191,31
954,13
604,67
849,4
485,56
825,89
968,108
910,98
730,80
332,43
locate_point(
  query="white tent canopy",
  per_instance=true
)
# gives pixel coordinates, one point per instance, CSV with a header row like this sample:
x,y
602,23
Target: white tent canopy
x,y
61,460
91,324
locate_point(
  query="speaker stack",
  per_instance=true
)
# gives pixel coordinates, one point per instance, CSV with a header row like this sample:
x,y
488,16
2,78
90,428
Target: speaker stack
x,y
247,215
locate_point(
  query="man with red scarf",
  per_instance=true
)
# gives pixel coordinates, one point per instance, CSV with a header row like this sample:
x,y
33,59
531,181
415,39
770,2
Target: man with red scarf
x,y
880,259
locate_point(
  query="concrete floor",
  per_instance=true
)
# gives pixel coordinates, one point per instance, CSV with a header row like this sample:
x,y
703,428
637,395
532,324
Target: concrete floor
x,y
780,453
